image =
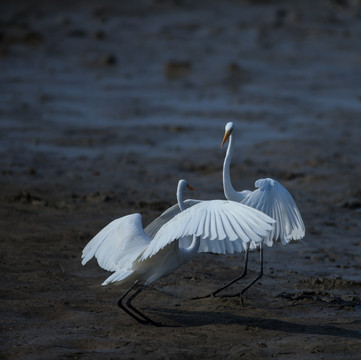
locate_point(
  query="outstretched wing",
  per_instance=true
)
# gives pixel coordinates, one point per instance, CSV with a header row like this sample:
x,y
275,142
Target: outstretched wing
x,y
169,214
214,221
118,244
274,200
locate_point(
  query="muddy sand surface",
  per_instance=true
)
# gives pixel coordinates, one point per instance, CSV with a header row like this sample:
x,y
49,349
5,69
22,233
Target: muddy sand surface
x,y
105,105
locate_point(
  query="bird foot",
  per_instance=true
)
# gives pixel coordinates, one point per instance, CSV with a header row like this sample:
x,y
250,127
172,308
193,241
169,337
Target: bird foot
x,y
239,295
230,295
202,297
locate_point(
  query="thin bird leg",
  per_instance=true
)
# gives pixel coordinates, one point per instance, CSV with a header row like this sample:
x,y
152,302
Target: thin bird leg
x,y
120,304
146,318
260,274
244,273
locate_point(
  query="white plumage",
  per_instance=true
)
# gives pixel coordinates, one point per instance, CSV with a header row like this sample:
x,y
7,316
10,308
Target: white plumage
x,y
272,199
167,215
217,225
221,226
119,244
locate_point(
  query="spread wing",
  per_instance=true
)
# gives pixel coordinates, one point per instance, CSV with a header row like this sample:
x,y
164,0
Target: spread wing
x,y
214,221
156,224
274,200
118,244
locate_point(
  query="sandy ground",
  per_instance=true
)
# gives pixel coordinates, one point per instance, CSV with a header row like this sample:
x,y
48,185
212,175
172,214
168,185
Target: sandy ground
x,y
103,107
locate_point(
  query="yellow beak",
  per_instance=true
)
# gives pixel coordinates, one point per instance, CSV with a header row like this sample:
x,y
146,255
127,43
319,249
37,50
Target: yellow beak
x,y
225,138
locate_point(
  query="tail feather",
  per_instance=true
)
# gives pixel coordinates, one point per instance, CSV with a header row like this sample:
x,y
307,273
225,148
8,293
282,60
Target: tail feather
x,y
120,275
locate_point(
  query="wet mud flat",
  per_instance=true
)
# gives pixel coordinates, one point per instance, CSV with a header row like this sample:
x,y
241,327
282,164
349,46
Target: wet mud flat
x,y
104,106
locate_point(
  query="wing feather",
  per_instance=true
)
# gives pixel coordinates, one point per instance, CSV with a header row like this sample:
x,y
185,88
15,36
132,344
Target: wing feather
x,y
221,225
227,226
167,215
117,276
253,219
206,224
237,227
197,220
248,230
118,244
274,200
229,247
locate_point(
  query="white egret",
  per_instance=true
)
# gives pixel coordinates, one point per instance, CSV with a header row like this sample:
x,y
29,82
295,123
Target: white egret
x,y
271,198
124,248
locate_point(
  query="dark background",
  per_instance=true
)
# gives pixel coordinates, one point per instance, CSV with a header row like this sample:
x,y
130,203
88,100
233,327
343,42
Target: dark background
x,y
105,105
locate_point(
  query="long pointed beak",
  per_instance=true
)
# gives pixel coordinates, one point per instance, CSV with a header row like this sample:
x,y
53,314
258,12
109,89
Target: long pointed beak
x,y
225,138
190,187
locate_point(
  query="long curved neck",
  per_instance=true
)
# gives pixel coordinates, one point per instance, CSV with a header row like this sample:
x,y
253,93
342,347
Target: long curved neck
x,y
190,251
180,198
229,192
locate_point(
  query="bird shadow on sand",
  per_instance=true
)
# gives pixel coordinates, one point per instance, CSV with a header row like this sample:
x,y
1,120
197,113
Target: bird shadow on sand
x,y
201,318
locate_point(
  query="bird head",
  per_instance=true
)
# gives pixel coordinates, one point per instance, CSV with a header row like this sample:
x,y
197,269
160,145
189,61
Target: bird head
x,y
228,130
184,184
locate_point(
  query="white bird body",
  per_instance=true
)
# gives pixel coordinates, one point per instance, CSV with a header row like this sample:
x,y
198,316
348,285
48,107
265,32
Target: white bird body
x,y
168,259
217,225
271,198
120,245
162,263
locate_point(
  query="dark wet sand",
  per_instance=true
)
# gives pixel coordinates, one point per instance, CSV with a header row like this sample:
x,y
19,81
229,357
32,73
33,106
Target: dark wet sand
x,y
104,107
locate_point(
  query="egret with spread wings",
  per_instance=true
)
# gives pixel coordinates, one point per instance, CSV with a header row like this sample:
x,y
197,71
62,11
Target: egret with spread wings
x,y
271,198
124,248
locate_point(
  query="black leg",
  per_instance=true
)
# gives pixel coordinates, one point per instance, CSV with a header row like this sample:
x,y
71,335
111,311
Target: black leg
x,y
260,274
244,273
146,318
120,304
